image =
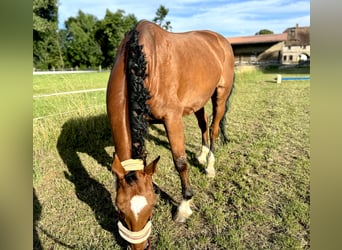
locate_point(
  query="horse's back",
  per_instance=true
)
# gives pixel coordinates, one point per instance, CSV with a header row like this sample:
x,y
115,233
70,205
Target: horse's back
x,y
184,69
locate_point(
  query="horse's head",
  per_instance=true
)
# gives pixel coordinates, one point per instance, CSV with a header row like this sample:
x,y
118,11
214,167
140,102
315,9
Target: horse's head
x,y
135,199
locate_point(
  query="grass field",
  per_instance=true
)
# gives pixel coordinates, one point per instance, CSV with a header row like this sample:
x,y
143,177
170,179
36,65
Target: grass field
x,y
259,199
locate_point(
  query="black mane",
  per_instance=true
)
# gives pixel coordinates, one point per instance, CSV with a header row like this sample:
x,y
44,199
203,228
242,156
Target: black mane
x,y
137,94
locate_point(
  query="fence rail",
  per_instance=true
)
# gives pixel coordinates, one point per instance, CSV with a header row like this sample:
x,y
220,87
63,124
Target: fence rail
x,y
66,72
69,92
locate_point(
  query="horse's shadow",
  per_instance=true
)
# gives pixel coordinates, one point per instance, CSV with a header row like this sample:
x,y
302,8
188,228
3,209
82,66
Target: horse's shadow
x,y
90,135
37,210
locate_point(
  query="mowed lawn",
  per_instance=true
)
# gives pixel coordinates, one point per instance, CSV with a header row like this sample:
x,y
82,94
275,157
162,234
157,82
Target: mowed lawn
x,y
259,199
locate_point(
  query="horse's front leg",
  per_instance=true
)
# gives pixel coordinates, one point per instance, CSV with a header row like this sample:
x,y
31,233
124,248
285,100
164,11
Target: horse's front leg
x,y
175,132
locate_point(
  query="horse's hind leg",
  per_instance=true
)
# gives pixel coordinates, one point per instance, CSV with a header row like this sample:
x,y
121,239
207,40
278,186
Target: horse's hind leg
x,y
219,106
175,132
202,120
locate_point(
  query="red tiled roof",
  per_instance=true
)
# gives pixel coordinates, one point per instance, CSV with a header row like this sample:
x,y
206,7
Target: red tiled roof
x,y
258,39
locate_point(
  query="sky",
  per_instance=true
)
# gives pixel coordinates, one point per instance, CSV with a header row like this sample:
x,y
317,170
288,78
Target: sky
x,y
230,18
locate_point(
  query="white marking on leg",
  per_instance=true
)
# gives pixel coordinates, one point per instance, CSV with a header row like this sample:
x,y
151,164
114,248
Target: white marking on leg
x,y
210,170
202,158
184,211
138,202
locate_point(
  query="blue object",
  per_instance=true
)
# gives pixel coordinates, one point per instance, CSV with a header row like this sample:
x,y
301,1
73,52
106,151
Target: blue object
x,y
294,78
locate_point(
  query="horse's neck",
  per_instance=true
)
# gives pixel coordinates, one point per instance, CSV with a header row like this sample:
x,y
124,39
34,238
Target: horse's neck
x,y
117,108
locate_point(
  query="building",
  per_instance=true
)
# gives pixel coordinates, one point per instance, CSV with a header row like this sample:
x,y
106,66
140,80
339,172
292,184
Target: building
x,y
251,49
297,46
290,47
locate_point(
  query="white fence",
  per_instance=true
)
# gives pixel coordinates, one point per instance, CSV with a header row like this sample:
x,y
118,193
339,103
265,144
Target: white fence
x,y
65,72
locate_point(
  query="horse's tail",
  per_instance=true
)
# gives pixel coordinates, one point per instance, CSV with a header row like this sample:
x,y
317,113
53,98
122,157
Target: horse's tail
x,y
223,120
137,94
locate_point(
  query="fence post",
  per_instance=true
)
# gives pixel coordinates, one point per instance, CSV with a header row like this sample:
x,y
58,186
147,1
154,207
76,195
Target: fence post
x,y
278,78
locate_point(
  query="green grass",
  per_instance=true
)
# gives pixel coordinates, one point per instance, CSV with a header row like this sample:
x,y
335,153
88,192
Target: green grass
x,y
51,84
47,84
259,199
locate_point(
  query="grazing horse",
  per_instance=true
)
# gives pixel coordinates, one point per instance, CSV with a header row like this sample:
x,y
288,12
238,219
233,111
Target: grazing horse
x,y
162,76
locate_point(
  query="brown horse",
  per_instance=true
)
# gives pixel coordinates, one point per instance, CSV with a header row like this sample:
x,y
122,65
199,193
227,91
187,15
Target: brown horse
x,y
162,76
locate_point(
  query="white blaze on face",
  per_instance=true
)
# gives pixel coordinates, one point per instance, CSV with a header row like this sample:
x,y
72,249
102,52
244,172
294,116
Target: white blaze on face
x,y
138,202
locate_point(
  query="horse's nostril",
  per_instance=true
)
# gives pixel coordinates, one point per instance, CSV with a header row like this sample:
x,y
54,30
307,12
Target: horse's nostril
x,y
147,245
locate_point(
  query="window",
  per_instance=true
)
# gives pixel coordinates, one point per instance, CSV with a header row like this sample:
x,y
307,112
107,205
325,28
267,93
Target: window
x,y
292,32
285,58
291,58
289,47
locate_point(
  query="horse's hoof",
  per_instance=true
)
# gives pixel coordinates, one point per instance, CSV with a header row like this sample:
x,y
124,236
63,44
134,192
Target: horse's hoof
x,y
179,219
210,172
202,160
183,212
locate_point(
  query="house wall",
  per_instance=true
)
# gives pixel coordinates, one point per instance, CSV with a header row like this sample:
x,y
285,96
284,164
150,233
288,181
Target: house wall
x,y
292,54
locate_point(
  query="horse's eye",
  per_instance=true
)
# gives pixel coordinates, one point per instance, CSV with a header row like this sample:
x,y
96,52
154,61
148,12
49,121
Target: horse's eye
x,y
121,215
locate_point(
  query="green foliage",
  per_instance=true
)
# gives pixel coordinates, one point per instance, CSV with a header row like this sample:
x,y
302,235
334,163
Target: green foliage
x,y
86,42
161,13
46,50
44,14
110,31
264,32
80,47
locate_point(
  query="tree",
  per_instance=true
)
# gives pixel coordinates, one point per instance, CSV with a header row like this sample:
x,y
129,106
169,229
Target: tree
x,y
46,52
161,13
79,45
85,42
264,32
110,31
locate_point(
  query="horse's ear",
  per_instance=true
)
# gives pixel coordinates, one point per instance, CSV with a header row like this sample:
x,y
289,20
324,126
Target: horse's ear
x,y
118,168
151,168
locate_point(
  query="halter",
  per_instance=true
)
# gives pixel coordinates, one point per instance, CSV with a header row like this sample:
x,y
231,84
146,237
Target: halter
x,y
133,164
125,233
135,237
